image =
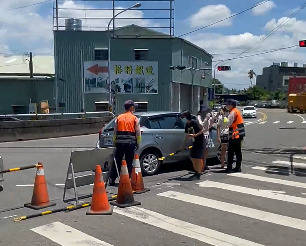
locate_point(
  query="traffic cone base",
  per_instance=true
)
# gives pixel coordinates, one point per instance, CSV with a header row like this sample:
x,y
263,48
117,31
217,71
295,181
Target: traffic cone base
x,y
142,191
99,203
125,196
125,205
40,197
108,212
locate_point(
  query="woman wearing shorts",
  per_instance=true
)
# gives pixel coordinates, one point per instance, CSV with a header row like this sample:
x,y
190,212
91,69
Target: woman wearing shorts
x,y
222,133
195,131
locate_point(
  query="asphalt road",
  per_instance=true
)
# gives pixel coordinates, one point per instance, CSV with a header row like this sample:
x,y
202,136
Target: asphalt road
x,y
264,205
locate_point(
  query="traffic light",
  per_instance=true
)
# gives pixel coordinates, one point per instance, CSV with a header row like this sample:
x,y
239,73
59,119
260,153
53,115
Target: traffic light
x,y
224,68
302,43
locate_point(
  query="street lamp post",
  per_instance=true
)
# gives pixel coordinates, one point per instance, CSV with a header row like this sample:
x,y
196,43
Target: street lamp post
x,y
137,5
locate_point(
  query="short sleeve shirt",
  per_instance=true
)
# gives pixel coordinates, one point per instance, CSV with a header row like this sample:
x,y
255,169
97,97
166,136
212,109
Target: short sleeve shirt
x,y
193,127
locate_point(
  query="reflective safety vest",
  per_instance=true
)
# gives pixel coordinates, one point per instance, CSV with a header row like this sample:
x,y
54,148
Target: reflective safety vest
x,y
126,132
236,130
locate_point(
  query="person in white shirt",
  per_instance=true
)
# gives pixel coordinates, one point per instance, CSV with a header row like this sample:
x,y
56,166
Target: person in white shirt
x,y
222,133
206,120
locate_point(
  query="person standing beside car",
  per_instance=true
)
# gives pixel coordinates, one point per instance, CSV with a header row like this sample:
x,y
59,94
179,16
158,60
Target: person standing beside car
x,y
127,138
222,133
236,135
194,131
205,119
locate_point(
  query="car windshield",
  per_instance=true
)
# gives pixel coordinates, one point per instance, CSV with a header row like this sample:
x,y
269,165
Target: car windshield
x,y
249,108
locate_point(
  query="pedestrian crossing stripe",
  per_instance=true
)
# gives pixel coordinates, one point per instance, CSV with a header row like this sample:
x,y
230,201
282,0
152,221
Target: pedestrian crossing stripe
x,y
276,122
288,163
270,180
270,194
183,228
237,209
65,235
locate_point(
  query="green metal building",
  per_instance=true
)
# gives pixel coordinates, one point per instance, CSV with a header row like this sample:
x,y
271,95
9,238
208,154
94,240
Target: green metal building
x,y
176,90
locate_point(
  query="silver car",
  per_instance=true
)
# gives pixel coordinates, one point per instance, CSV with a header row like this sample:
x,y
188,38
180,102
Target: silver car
x,y
163,133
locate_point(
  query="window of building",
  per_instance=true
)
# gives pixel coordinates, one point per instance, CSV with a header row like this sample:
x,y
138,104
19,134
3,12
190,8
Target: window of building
x,y
141,54
193,62
101,54
286,82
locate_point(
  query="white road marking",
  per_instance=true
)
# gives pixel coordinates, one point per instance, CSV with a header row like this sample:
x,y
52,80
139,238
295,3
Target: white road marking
x,y
180,227
236,209
67,236
288,163
271,194
11,216
59,184
276,122
26,185
299,157
303,120
263,122
260,168
290,122
270,180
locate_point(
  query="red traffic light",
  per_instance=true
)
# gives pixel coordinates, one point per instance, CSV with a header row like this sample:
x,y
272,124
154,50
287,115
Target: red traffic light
x,y
302,43
224,68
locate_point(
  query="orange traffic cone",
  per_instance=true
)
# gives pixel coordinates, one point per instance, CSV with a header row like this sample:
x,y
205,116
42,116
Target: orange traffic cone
x,y
40,198
125,196
136,179
99,201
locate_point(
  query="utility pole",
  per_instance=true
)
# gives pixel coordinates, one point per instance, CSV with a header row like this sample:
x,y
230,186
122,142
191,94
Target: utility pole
x,y
31,65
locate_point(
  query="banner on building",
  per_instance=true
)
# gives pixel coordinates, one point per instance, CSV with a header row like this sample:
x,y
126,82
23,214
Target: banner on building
x,y
126,76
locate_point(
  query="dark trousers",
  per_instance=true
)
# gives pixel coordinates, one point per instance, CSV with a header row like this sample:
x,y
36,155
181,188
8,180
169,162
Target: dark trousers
x,y
234,147
123,152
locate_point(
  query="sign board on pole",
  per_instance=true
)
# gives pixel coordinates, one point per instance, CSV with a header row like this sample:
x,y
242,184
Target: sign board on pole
x,y
139,77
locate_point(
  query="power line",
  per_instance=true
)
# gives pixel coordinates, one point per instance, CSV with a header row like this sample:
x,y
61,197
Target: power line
x,y
30,5
224,19
276,28
257,54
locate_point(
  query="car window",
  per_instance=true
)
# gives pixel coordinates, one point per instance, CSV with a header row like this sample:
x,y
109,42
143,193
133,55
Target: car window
x,y
249,108
110,126
154,123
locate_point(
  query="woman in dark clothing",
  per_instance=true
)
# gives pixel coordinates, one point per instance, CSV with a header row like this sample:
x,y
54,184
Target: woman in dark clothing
x,y
194,131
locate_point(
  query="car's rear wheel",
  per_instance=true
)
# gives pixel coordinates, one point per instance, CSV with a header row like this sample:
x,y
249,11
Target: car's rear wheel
x,y
149,162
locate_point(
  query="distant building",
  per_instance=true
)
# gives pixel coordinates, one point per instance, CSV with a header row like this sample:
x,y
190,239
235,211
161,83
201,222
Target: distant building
x,y
140,70
18,90
276,77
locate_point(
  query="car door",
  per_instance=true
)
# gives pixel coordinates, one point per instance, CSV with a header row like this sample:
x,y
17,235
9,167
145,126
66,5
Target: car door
x,y
168,132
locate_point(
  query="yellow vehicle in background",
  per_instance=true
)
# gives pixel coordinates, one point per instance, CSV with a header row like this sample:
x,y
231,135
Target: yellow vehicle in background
x,y
297,95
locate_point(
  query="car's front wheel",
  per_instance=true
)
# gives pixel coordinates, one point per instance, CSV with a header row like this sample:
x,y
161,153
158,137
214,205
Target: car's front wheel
x,y
149,162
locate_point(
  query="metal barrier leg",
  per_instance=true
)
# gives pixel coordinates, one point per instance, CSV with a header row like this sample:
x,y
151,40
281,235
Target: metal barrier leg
x,y
291,162
74,185
1,174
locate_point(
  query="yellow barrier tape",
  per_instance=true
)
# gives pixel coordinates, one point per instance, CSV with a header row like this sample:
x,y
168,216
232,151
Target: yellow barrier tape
x,y
20,218
85,205
14,169
46,212
71,207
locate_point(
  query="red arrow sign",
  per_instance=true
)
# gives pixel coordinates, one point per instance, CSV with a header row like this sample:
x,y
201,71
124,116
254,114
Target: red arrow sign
x,y
96,69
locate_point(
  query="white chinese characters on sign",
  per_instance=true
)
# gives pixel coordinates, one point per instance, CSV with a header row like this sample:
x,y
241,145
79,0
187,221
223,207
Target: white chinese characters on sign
x,y
126,77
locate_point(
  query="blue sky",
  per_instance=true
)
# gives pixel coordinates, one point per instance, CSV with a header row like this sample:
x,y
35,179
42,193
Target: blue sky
x,y
30,29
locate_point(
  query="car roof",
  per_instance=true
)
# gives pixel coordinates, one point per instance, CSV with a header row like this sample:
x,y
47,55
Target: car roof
x,y
157,113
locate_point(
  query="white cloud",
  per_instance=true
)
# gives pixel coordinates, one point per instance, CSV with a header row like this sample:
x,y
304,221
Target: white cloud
x,y
289,25
230,46
263,8
210,14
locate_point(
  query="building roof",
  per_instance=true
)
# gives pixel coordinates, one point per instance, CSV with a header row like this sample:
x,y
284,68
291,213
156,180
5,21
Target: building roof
x,y
11,65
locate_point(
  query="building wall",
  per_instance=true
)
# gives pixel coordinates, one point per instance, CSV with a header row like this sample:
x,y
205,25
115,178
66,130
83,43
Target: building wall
x,y
17,91
73,48
272,78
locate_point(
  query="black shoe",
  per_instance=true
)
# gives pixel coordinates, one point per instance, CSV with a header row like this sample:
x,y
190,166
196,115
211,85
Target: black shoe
x,y
1,188
237,170
227,170
198,176
111,182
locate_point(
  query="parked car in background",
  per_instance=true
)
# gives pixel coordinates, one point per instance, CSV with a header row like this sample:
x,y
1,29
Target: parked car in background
x,y
163,133
8,118
249,111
